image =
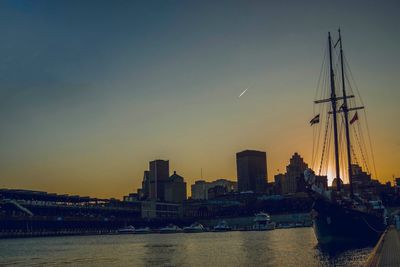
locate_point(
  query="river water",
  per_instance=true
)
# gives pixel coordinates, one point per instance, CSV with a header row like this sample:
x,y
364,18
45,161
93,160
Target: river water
x,y
281,247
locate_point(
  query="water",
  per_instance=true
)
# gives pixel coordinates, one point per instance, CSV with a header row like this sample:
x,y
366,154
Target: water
x,y
281,247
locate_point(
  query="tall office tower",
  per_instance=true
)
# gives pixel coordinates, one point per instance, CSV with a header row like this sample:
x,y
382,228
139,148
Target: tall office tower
x,y
158,174
251,171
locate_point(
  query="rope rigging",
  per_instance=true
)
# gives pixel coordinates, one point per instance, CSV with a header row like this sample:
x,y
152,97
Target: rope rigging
x,y
325,142
317,130
322,134
364,111
361,151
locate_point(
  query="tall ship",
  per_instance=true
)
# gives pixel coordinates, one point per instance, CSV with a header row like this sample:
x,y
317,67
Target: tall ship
x,y
346,214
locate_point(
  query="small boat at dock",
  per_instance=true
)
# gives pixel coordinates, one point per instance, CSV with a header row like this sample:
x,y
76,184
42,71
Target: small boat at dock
x,y
127,230
145,230
171,228
222,226
262,222
194,228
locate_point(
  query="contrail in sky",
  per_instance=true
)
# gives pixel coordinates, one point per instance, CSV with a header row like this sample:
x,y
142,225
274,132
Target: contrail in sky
x,y
243,92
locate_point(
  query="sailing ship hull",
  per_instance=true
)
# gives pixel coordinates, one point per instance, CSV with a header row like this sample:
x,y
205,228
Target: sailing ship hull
x,y
336,226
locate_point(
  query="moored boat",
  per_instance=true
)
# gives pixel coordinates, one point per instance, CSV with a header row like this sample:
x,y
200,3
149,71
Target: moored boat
x,y
194,228
145,230
344,215
336,225
171,228
222,226
127,230
262,222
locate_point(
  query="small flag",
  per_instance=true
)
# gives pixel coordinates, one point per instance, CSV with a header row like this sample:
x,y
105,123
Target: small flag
x,y
355,117
315,120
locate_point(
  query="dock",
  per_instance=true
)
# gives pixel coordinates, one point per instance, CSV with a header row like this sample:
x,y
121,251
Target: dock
x,y
387,251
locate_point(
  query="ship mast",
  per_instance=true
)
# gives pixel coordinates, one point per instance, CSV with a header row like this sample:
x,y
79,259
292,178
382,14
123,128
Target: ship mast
x,y
334,111
346,118
345,110
333,99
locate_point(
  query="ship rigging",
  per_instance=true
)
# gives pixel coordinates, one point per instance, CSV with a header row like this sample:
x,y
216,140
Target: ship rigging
x,y
341,216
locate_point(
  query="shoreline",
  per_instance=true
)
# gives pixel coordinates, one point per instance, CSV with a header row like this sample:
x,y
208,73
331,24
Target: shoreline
x,y
293,220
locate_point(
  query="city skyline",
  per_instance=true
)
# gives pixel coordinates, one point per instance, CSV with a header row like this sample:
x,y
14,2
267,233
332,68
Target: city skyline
x,y
91,93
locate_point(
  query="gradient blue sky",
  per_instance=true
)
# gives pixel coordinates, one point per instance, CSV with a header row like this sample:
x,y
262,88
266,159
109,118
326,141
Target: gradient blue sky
x,y
90,91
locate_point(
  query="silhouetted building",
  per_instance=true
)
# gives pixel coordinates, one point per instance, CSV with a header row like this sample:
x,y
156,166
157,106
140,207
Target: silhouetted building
x,y
279,179
230,186
201,188
157,185
175,189
365,186
397,185
216,191
158,175
251,171
293,181
294,171
132,197
144,193
360,178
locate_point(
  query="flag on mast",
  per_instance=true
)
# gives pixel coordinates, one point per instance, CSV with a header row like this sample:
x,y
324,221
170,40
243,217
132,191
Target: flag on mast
x,y
355,117
315,120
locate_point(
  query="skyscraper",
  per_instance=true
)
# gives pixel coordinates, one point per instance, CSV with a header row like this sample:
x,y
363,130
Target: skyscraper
x,y
251,170
158,175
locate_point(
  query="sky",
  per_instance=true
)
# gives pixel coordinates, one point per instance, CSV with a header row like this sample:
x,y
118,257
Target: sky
x,y
91,91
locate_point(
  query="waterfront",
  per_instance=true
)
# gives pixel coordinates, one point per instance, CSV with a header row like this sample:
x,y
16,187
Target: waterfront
x,y
281,247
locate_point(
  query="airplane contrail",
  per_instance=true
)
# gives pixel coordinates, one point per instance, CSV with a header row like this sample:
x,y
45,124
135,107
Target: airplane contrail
x,y
243,92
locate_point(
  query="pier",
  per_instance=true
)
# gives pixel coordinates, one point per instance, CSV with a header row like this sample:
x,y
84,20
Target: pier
x,y
386,252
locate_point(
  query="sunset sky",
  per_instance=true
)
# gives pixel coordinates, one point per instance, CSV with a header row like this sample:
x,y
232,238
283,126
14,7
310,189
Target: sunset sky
x,y
91,91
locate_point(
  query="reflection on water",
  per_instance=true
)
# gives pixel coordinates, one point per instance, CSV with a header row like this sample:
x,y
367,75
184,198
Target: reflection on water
x,y
281,247
165,254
